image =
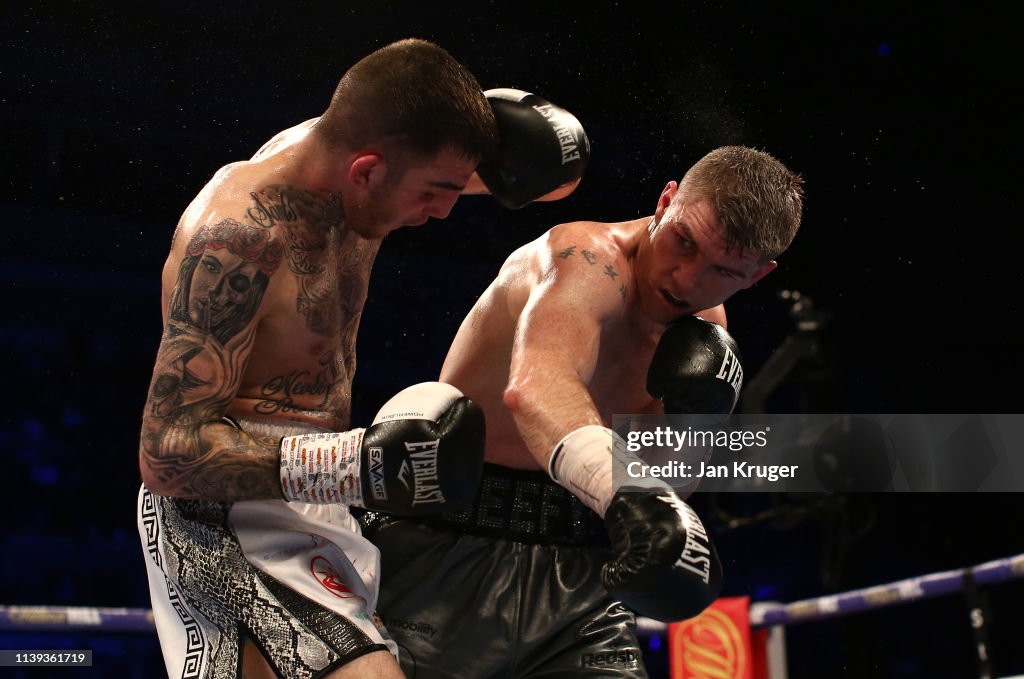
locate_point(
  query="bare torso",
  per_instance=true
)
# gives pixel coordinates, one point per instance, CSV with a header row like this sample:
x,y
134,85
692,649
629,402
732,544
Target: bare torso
x,y
302,359
262,295
479,360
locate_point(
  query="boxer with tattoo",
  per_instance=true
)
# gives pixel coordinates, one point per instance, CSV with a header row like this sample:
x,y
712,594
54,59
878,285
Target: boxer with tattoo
x,y
249,465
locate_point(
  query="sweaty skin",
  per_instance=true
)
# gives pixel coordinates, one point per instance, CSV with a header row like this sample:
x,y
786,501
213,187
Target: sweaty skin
x,y
563,322
564,335
262,295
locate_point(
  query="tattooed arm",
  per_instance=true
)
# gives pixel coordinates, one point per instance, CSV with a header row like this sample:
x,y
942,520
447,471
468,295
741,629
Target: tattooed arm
x,y
215,286
557,340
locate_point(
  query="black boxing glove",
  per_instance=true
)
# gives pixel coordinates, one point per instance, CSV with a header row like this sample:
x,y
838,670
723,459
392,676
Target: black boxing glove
x,y
662,565
423,454
541,147
696,369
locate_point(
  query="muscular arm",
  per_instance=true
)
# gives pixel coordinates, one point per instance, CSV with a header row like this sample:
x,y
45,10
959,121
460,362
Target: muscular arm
x,y
215,285
557,343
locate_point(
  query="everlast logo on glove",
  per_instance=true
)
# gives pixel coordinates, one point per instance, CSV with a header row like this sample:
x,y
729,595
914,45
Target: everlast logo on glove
x,y
426,488
566,137
696,556
731,370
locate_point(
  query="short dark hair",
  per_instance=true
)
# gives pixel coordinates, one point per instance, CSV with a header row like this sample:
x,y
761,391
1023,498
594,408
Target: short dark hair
x,y
758,200
414,94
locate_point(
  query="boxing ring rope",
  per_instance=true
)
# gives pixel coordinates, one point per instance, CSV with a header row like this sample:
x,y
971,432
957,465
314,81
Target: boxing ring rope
x,y
73,618
878,596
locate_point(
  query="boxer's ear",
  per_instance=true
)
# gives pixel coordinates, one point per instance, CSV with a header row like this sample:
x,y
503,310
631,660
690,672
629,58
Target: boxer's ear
x,y
665,200
367,170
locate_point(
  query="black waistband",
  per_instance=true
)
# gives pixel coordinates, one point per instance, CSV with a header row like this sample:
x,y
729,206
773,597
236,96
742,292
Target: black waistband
x,y
525,506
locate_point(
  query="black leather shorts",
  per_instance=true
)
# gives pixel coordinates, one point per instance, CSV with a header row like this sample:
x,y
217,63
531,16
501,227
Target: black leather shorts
x,y
509,588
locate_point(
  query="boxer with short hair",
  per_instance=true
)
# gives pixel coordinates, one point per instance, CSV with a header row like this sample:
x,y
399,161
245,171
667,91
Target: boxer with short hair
x,y
249,467
589,320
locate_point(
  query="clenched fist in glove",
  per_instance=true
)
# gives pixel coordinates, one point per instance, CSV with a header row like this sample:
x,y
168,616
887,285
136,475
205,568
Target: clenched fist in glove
x,y
423,454
663,564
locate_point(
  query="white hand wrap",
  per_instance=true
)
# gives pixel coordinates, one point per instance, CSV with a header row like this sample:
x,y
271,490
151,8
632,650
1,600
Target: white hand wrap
x,y
592,463
322,468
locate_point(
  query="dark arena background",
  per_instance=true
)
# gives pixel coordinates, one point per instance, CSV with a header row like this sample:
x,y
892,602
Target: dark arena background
x,y
898,115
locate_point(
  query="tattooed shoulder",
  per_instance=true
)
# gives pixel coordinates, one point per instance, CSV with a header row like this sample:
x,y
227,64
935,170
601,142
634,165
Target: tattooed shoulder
x,y
604,263
286,204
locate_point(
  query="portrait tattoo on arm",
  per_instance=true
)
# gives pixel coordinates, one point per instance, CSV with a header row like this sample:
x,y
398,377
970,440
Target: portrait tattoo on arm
x,y
223,276
220,285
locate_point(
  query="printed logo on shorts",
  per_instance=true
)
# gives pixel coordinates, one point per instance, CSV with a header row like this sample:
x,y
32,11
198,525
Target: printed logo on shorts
x,y
422,628
326,575
626,658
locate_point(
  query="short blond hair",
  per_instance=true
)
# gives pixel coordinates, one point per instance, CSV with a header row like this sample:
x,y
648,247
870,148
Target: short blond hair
x,y
757,199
